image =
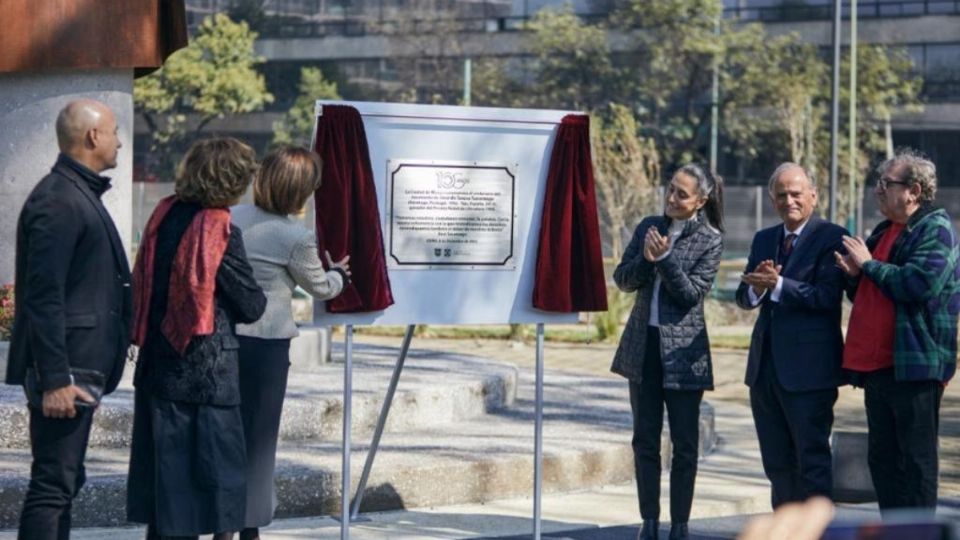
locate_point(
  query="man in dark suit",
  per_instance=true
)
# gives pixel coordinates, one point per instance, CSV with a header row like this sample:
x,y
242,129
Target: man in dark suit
x,y
793,369
73,310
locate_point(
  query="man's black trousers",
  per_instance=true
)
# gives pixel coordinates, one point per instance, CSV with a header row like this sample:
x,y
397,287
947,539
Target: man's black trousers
x,y
793,429
903,419
59,446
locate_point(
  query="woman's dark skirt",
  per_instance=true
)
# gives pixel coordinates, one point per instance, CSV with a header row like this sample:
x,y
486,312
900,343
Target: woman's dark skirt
x,y
264,364
186,467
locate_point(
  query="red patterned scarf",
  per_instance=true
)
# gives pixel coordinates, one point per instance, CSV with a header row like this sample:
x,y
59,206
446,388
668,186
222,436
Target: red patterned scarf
x,y
193,277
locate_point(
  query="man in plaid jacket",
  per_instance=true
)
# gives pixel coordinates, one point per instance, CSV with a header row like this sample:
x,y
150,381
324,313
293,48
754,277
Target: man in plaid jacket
x,y
902,340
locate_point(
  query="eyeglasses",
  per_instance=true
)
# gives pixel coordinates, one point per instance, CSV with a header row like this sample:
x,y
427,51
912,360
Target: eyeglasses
x,y
886,181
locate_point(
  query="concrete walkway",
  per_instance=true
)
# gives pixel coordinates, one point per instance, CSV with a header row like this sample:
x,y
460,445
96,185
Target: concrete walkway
x,y
728,369
604,507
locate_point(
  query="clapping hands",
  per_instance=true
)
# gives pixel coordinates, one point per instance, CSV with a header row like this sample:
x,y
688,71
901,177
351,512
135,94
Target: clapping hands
x,y
655,244
764,277
857,255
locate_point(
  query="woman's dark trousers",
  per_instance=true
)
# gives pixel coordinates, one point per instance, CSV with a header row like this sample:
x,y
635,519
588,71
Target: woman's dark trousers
x,y
59,446
903,419
647,399
264,364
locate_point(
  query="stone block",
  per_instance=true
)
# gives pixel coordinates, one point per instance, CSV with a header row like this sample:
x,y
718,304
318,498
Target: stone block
x,y
310,349
29,104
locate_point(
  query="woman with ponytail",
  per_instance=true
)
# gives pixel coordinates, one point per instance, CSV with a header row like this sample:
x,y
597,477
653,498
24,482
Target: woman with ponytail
x,y
665,352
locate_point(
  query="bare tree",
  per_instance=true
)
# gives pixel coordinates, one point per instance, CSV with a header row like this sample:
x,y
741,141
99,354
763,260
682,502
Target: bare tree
x,y
627,173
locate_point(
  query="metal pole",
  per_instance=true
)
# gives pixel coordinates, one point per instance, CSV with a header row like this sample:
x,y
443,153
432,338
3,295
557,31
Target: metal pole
x,y
381,421
538,436
345,469
758,209
467,83
810,151
852,215
835,110
715,98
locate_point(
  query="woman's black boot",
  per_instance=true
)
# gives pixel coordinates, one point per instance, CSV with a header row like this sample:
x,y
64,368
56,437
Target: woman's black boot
x,y
678,531
650,530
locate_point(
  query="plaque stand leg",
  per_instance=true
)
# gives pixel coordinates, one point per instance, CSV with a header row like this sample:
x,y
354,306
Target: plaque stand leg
x,y
346,513
381,422
538,436
347,406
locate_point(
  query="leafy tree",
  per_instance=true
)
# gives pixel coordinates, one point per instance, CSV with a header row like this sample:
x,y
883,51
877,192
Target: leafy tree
x,y
782,107
296,126
214,77
573,62
774,92
886,82
776,97
627,173
670,69
429,67
496,82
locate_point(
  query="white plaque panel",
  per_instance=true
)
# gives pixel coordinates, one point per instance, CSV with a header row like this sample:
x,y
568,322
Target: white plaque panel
x,y
488,278
454,214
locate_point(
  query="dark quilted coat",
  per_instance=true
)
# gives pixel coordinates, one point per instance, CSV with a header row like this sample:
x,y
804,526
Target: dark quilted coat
x,y
686,277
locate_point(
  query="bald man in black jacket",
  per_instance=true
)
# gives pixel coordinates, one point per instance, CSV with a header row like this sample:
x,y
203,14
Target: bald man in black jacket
x,y
73,311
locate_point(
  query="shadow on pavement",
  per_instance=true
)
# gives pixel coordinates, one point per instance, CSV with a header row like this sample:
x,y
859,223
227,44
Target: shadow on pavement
x,y
622,532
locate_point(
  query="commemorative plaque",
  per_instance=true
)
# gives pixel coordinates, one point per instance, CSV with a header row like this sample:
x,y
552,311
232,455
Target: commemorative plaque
x,y
451,214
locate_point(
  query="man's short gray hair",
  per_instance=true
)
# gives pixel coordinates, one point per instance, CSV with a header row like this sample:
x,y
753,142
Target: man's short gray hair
x,y
784,167
913,168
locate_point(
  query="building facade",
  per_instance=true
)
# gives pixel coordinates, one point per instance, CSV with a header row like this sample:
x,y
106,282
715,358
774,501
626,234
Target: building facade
x,y
370,45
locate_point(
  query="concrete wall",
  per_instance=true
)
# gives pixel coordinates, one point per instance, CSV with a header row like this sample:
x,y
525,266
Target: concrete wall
x,y
29,103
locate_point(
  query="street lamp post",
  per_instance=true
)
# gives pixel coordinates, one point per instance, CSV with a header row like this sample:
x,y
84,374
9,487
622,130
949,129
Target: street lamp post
x,y
715,97
854,202
835,110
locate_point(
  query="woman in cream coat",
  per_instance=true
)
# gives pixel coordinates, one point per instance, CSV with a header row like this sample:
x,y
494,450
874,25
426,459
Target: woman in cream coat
x,y
283,254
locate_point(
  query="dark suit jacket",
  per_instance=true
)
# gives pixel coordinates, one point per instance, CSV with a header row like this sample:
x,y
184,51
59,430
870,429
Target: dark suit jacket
x,y
72,287
804,326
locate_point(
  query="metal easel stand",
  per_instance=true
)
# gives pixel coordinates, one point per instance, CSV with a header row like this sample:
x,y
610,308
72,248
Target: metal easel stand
x,y
381,423
345,451
538,437
348,515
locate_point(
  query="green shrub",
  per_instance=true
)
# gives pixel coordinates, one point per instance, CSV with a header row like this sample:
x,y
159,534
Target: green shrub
x,y
608,322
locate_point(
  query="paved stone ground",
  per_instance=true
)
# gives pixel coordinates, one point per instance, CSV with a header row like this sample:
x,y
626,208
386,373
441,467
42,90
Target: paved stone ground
x,y
729,365
608,512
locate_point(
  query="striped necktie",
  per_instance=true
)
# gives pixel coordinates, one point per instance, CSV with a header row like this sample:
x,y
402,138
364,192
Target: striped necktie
x,y
787,248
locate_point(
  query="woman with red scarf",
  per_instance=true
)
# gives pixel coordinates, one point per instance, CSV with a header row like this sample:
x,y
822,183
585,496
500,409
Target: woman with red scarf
x,y
192,284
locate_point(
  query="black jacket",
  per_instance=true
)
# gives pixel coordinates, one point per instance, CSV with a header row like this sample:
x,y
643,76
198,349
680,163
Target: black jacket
x,y
73,303
686,276
207,373
804,326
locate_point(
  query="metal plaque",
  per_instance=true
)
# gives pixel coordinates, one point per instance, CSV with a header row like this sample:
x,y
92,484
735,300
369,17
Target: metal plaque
x,y
458,215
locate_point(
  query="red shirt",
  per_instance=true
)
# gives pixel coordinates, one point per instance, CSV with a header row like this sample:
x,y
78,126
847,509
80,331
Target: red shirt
x,y
869,345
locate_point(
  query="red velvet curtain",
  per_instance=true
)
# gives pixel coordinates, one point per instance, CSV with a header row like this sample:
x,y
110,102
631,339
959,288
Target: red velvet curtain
x,y
569,274
348,220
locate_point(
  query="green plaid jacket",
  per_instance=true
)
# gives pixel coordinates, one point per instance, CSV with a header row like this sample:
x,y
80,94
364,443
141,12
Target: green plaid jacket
x,y
922,278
